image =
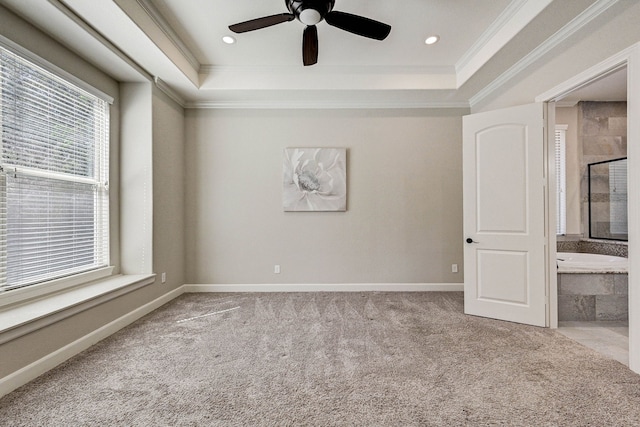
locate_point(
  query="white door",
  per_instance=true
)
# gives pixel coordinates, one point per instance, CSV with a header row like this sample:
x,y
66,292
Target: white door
x,y
504,214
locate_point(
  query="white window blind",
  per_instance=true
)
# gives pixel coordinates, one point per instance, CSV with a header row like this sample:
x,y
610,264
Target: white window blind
x,y
54,210
561,180
618,218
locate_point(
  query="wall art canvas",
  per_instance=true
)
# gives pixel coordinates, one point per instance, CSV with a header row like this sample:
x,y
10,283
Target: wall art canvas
x,y
315,179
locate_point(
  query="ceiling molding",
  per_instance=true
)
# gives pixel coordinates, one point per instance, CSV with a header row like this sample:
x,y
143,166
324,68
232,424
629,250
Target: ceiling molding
x,y
133,17
565,104
193,85
82,23
326,78
561,35
517,15
167,90
312,105
326,69
168,31
490,32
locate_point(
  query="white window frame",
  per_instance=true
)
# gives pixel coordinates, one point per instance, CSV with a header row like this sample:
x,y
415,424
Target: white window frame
x,y
12,296
561,179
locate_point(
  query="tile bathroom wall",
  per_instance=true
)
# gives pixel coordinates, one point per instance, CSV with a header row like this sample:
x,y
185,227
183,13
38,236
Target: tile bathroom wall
x,y
590,297
602,131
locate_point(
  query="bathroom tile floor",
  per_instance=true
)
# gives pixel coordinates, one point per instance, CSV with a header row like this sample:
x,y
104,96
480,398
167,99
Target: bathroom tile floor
x,y
606,337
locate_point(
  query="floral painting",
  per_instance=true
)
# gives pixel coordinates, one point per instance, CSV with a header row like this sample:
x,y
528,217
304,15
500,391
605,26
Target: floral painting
x,y
315,179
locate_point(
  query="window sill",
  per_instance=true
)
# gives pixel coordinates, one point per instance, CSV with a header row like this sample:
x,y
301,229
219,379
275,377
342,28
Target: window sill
x,y
22,319
19,296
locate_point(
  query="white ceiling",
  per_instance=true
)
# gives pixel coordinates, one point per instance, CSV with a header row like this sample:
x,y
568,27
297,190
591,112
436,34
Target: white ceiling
x,y
178,42
201,25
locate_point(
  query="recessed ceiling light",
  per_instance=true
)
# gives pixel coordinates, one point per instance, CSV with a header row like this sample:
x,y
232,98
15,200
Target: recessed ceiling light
x,y
229,39
432,39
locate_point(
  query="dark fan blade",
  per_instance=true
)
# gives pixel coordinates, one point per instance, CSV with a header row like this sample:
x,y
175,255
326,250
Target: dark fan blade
x,y
358,25
310,45
267,21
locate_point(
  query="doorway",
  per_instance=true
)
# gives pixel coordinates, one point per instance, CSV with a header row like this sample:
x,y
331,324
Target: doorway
x,y
590,135
590,79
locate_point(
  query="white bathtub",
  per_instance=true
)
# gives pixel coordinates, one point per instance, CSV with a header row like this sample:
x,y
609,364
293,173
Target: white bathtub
x,y
570,262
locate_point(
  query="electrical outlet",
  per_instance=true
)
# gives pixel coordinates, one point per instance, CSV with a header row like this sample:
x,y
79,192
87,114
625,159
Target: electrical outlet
x,y
454,268
276,269
164,277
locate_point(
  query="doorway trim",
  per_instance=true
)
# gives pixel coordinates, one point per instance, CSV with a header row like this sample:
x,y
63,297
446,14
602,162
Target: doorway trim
x,y
629,58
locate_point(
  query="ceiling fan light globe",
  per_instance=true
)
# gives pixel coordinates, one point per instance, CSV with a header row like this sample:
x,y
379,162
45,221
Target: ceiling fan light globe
x,y
310,17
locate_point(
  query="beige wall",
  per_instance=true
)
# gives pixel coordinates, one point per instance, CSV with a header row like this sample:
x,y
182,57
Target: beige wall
x,y
404,218
168,192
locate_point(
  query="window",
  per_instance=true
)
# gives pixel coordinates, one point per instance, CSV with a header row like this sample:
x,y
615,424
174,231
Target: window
x,y
561,180
54,201
618,218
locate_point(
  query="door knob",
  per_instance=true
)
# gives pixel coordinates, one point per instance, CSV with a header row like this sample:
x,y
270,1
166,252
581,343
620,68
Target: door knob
x,y
470,240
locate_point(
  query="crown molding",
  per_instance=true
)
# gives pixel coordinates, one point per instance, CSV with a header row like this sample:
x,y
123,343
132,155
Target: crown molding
x,y
506,15
167,90
561,35
565,104
206,69
168,31
512,20
358,78
321,105
82,23
489,34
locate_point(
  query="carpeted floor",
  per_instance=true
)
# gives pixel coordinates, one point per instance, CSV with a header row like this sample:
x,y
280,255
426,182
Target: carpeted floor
x,y
329,359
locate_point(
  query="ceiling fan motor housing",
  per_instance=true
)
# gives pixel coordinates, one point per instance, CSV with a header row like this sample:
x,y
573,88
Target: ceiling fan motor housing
x,y
310,12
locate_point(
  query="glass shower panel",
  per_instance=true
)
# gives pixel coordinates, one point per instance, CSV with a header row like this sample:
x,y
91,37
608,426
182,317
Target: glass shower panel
x,y
608,200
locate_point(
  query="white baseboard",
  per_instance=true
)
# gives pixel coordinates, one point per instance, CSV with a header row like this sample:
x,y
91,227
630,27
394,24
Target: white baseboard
x,y
330,287
50,361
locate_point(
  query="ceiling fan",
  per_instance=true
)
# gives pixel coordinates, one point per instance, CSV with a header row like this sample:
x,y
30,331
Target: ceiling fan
x,y
310,13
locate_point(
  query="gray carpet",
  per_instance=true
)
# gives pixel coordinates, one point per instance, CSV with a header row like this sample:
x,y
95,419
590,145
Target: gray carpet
x,y
328,359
